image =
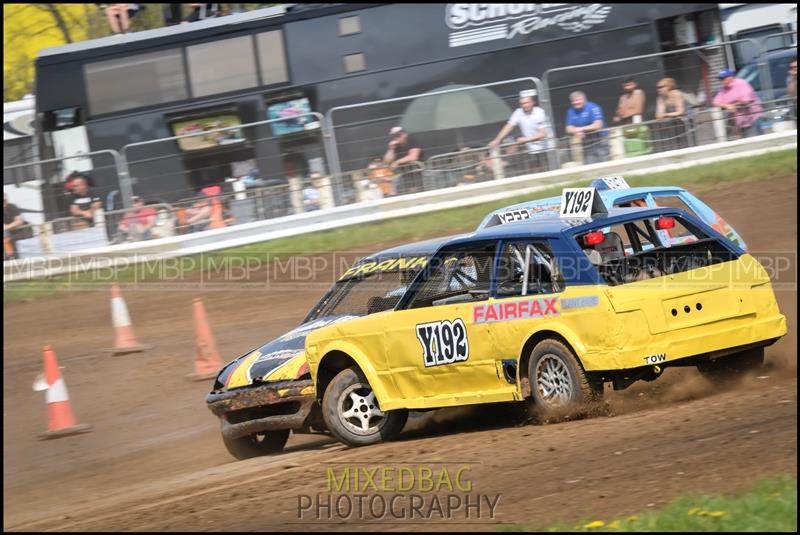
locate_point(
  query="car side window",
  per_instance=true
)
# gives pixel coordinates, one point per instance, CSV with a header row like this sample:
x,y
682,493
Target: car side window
x,y
454,277
527,268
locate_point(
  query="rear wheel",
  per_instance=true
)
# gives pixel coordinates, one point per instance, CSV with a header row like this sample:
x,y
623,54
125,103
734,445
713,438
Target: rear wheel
x,y
727,370
560,388
257,444
352,413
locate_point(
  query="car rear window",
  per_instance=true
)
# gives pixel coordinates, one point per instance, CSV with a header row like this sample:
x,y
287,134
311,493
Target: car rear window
x,y
645,248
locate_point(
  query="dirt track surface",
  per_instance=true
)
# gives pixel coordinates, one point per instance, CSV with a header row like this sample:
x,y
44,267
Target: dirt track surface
x,y
155,461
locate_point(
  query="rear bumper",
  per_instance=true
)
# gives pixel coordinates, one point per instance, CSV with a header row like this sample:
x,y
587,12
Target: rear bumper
x,y
708,341
267,407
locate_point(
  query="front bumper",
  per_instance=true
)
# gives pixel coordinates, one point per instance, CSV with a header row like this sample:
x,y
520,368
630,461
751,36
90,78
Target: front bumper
x,y
266,407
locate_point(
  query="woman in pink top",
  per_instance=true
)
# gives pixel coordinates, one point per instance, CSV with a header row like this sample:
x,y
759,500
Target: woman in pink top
x,y
736,96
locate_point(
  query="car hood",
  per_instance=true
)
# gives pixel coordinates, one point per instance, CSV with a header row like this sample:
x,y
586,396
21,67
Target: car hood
x,y
282,359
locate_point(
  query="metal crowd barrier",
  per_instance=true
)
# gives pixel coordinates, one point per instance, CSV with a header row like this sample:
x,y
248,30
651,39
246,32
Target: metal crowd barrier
x,y
698,126
167,160
481,164
380,181
360,125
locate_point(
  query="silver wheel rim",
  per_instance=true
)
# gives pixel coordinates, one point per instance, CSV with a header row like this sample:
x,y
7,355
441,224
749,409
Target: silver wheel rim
x,y
358,410
553,381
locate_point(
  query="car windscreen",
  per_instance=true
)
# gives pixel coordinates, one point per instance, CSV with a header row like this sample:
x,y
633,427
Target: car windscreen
x,y
652,247
367,291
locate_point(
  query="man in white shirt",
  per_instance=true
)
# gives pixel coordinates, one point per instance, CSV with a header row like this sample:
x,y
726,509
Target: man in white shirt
x,y
532,122
534,126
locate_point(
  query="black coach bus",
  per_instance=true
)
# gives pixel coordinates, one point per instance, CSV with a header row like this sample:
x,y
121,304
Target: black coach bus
x,y
109,92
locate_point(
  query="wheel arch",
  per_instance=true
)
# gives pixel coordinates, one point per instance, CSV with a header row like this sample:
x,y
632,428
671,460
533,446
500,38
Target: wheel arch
x,y
337,359
531,342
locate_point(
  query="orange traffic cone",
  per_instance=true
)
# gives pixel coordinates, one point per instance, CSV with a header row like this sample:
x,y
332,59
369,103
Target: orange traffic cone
x,y
125,339
61,420
207,362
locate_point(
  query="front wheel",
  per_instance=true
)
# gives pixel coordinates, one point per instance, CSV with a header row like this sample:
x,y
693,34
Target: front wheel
x,y
257,444
727,370
560,388
352,413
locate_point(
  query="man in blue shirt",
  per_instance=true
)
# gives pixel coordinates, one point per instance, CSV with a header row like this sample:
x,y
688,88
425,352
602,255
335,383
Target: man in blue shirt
x,y
585,123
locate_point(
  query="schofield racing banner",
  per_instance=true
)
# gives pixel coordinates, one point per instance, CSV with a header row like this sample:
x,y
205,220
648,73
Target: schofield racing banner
x,y
477,23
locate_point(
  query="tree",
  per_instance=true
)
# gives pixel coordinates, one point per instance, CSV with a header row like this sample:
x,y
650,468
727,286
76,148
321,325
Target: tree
x,y
29,28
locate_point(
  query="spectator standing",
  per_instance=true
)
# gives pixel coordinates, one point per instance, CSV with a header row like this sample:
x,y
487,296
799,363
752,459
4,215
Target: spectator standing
x,y
173,13
585,123
534,126
137,224
670,101
670,133
201,12
403,150
631,104
119,16
737,97
84,202
12,220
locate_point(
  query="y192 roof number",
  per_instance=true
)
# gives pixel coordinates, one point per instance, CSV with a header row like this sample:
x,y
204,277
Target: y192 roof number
x,y
514,215
577,202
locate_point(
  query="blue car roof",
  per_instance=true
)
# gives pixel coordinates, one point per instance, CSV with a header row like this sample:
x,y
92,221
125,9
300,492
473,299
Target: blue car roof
x,y
554,227
609,197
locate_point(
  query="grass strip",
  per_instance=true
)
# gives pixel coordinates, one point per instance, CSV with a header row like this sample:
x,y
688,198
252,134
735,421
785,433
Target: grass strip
x,y
769,506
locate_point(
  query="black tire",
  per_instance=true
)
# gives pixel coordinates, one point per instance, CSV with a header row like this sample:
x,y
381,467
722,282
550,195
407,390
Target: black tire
x,y
728,370
572,391
337,401
257,444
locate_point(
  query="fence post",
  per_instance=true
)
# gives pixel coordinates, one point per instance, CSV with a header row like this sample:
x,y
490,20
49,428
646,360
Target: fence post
x,y
45,229
325,189
497,163
576,148
296,194
617,143
124,177
718,119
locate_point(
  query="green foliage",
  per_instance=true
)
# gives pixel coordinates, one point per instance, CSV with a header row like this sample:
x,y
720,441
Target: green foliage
x,y
410,228
771,505
29,28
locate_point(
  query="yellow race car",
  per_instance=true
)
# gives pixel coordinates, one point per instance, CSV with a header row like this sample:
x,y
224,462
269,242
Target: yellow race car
x,y
547,310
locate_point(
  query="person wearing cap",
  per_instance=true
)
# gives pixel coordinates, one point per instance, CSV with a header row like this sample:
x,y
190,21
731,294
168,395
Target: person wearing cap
x,y
533,125
402,150
737,97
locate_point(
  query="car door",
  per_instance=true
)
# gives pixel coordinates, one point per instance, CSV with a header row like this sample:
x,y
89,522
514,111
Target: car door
x,y
437,355
527,292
